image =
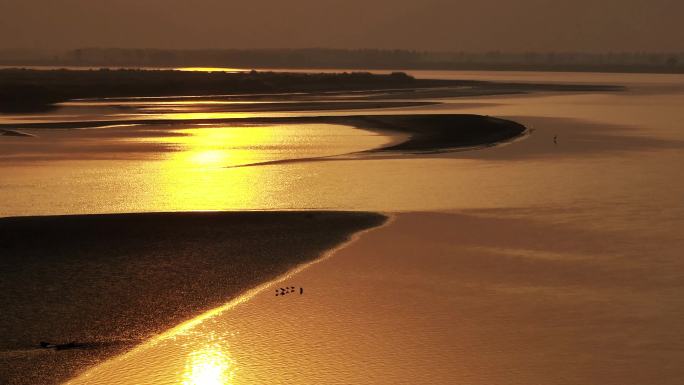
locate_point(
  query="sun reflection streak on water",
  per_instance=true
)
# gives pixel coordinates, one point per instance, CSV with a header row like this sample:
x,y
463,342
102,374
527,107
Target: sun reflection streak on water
x,y
222,146
194,174
169,167
218,146
209,365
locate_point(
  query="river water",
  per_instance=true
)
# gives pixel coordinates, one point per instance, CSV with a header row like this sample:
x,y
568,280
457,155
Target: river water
x,y
553,259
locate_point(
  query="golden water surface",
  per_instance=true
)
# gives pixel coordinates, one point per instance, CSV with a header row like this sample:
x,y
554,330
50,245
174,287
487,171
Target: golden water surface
x,y
571,276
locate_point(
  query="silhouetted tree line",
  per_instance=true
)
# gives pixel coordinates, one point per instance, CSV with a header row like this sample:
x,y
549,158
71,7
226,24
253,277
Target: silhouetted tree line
x,y
352,59
22,89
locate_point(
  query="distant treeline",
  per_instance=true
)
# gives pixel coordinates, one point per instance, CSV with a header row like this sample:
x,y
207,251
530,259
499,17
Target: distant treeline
x,y
351,59
29,90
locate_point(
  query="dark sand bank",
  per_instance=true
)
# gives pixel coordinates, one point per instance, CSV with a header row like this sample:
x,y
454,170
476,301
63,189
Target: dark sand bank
x,y
24,90
427,133
110,281
14,133
574,138
424,134
437,133
332,105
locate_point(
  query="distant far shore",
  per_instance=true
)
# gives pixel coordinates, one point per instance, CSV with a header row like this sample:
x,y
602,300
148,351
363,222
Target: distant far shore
x,y
376,59
27,90
23,90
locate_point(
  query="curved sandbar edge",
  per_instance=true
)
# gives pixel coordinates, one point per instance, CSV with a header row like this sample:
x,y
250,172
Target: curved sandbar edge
x,y
108,282
428,133
440,132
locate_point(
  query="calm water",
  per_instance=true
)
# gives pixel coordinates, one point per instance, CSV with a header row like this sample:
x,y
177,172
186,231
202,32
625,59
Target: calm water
x,y
612,148
560,263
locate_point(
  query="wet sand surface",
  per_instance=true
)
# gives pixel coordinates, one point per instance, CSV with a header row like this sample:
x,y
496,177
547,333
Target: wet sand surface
x,y
490,297
108,282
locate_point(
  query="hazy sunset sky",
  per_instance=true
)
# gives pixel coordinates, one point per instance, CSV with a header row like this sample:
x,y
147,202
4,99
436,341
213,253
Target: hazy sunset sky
x,y
507,25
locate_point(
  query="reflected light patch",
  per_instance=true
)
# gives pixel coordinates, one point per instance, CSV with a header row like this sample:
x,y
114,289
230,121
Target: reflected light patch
x,y
209,366
216,146
210,69
208,158
194,175
201,115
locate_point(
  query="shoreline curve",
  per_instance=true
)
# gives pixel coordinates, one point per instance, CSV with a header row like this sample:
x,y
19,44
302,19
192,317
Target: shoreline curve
x,y
111,281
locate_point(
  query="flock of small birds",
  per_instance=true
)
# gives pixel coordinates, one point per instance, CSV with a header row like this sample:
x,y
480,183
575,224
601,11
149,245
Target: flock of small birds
x,y
288,290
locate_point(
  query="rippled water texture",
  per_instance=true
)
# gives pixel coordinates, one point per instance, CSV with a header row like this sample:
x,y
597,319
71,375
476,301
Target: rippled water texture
x,y
547,263
612,148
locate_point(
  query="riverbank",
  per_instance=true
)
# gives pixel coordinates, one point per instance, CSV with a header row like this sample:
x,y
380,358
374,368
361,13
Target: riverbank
x,y
108,282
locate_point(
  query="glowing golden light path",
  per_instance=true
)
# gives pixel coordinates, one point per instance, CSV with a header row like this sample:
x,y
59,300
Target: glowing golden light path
x,y
209,366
